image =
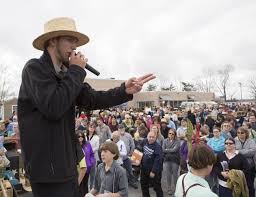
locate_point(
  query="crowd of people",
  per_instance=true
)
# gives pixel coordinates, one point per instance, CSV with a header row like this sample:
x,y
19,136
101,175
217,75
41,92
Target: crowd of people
x,y
108,138
161,135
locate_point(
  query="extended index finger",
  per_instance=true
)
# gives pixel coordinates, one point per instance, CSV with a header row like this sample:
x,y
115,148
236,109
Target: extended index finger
x,y
145,80
144,77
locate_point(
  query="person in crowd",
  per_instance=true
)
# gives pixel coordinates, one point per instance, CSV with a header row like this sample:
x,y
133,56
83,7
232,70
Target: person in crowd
x,y
151,165
113,125
84,123
77,124
82,115
110,179
217,142
159,136
210,123
81,167
123,159
233,125
205,134
51,87
226,161
163,127
182,130
252,133
94,140
252,120
139,136
14,136
191,116
225,129
103,131
137,123
183,157
89,159
171,152
247,147
2,128
220,118
193,183
115,137
156,120
174,118
142,130
171,124
128,123
130,146
149,121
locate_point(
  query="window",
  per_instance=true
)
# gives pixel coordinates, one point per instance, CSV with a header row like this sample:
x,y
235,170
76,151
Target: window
x,y
143,104
14,108
1,112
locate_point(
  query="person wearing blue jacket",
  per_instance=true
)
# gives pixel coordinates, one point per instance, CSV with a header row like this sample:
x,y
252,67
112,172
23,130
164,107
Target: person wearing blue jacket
x,y
151,165
217,142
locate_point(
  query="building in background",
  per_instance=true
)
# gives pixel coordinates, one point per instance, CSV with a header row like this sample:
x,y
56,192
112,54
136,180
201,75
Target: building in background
x,y
153,98
8,108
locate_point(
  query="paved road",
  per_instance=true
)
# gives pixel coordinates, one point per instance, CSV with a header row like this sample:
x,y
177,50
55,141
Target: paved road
x,y
137,192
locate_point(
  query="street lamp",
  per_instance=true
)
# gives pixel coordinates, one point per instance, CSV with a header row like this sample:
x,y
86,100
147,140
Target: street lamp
x,y
240,84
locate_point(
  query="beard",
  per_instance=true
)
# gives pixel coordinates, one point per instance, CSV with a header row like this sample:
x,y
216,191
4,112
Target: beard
x,y
64,60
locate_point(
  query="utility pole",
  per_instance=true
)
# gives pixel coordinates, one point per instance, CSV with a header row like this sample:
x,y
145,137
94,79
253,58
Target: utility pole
x,y
240,85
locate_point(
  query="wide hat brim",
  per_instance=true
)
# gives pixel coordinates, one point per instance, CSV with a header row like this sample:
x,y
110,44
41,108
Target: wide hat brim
x,y
39,42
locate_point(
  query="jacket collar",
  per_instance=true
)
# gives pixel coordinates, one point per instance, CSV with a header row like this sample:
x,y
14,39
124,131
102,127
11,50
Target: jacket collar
x,y
46,60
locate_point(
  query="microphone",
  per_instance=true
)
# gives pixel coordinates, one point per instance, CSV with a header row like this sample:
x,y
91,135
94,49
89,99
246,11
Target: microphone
x,y
91,69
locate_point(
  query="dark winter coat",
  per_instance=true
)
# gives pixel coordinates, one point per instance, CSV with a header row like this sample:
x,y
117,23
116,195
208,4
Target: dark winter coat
x,y
46,111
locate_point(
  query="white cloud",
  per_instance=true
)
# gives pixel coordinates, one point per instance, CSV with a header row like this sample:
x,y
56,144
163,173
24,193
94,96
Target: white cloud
x,y
173,39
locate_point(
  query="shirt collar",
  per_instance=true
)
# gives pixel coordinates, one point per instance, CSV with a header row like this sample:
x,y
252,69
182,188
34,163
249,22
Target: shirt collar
x,y
113,166
58,68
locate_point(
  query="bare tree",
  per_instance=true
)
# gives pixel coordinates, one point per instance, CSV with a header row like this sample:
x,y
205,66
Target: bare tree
x,y
5,92
252,86
222,81
151,87
204,83
187,87
166,85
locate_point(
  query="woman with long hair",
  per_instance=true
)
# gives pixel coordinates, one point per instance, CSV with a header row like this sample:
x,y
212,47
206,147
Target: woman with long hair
x,y
159,136
90,161
171,150
94,140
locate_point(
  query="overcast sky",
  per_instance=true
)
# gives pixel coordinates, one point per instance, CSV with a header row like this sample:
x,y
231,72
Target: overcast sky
x,y
174,40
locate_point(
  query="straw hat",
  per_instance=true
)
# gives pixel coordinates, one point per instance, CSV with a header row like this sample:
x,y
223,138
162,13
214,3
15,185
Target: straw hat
x,y
61,26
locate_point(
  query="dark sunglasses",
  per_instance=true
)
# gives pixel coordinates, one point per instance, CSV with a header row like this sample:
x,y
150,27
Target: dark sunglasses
x,y
229,143
240,132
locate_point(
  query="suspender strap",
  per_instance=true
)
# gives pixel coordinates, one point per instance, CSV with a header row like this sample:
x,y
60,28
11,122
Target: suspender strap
x,y
183,186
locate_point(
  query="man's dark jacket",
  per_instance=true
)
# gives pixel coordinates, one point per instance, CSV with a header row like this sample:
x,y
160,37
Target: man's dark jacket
x,y
46,111
152,160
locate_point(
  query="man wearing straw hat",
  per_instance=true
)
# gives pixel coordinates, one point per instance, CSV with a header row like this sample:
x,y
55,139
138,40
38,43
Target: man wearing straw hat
x,y
51,88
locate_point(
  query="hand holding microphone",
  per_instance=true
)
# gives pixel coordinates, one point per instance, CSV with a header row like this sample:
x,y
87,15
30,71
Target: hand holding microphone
x,y
80,60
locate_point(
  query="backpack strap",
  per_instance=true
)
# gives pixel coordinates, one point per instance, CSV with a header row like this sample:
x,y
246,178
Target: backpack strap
x,y
183,186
